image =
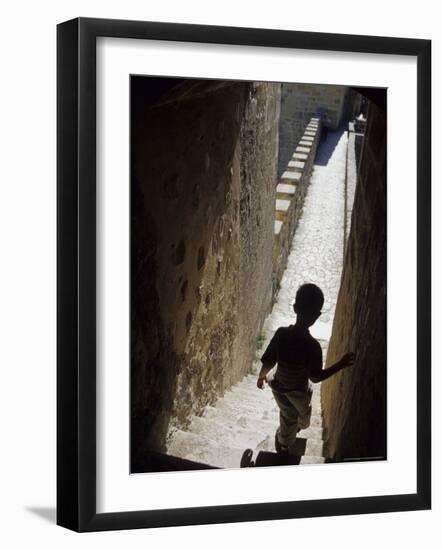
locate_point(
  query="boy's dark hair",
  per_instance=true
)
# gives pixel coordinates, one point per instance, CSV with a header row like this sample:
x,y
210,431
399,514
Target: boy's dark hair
x,y
309,298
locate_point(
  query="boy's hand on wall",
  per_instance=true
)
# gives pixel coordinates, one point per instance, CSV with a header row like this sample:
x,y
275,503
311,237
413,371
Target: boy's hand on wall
x,y
347,360
260,382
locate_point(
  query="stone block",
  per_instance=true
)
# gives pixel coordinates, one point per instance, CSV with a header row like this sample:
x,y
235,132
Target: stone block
x,y
299,156
286,188
314,448
296,164
282,205
312,460
291,177
277,227
303,149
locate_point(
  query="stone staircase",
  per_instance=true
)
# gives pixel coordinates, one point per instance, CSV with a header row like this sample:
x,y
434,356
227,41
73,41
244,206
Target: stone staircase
x,y
245,417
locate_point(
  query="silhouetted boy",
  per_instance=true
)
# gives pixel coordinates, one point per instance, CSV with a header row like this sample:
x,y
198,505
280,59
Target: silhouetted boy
x,y
299,359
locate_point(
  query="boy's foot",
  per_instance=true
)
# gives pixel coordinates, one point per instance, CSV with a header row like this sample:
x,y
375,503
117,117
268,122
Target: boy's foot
x,y
282,449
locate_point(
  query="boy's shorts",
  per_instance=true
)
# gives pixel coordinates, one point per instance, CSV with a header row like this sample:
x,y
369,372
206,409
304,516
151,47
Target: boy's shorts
x,y
295,411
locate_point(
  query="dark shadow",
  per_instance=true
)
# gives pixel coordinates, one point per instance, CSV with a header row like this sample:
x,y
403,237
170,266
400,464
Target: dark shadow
x,y
48,514
378,96
181,187
327,145
299,446
159,462
266,458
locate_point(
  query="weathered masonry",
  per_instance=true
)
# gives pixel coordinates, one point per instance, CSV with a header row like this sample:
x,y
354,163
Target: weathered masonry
x,y
204,165
290,195
300,102
212,228
354,401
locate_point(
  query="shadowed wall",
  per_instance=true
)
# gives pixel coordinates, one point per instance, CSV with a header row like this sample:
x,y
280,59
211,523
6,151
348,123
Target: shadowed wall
x,y
203,179
354,401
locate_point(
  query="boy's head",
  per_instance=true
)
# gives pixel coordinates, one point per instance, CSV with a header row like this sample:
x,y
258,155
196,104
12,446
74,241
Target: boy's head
x,y
308,303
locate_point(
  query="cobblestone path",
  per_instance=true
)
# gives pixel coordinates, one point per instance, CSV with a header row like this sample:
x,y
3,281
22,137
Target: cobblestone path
x,y
246,417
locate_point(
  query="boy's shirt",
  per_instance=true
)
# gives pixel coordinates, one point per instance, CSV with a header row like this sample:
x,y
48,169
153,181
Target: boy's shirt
x,y
299,357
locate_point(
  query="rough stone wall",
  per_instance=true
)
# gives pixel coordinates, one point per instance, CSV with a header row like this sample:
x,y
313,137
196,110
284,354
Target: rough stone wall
x,y
300,102
259,157
351,177
198,226
354,400
290,195
355,139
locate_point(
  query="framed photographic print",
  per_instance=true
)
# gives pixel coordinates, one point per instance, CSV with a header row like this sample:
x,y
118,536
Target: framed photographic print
x,y
243,274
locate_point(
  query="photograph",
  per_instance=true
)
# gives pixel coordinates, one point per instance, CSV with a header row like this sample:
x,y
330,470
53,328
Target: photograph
x,y
258,274
218,291
243,299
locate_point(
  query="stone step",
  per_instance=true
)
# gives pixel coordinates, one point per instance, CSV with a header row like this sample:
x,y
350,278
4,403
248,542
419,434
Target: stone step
x,y
277,227
240,397
200,449
249,389
291,177
265,426
231,410
248,414
312,460
316,408
299,156
303,150
213,451
286,189
244,425
282,205
314,447
306,137
296,165
229,434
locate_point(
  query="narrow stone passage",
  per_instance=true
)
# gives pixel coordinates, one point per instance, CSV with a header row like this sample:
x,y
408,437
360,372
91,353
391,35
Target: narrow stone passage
x,y
246,417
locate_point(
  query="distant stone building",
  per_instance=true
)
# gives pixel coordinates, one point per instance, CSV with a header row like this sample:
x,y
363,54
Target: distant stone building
x,y
300,102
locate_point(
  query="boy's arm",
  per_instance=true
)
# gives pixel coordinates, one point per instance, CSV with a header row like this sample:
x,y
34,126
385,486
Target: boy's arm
x,y
346,361
269,359
265,369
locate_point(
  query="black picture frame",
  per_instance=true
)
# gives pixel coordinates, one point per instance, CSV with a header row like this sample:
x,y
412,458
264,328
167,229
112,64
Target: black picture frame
x,y
76,273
